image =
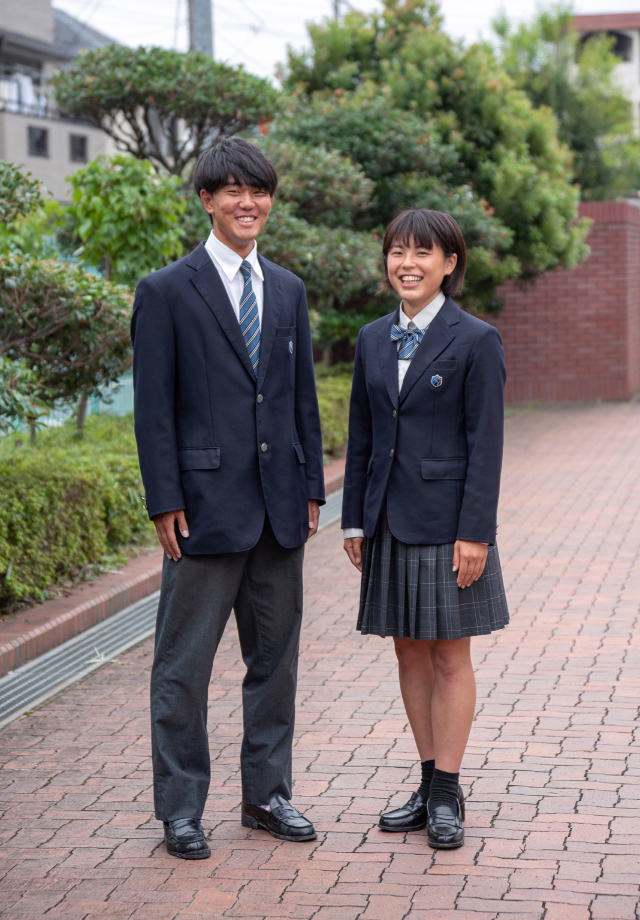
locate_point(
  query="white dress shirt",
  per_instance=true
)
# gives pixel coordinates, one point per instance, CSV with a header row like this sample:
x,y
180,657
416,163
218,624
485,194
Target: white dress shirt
x,y
422,320
228,264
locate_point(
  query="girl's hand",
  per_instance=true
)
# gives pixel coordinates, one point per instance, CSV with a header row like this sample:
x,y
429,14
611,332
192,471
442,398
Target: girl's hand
x,y
469,560
353,549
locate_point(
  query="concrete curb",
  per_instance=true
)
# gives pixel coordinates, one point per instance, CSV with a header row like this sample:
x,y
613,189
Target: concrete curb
x,y
24,647
54,632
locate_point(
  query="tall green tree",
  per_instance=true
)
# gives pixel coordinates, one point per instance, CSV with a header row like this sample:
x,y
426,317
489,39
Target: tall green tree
x,y
124,217
548,61
163,105
436,124
64,333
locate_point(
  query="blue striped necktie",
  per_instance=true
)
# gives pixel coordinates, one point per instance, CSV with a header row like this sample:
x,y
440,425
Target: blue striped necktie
x,y
409,339
249,318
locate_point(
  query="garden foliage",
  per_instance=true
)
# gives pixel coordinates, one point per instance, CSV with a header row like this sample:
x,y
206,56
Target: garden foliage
x,y
145,98
65,504
548,61
19,193
19,395
437,124
70,327
124,217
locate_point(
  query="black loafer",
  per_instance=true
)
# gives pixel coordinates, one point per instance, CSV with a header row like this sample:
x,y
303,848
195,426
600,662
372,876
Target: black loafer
x,y
410,817
413,816
444,826
282,821
185,839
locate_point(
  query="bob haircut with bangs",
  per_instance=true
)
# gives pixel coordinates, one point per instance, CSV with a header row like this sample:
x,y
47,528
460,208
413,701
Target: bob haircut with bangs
x,y
422,227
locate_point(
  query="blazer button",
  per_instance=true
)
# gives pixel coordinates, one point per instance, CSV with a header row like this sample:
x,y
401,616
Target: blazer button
x,y
391,452
395,413
260,397
264,447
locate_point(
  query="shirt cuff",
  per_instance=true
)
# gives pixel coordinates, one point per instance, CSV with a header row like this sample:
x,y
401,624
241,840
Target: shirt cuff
x,y
352,532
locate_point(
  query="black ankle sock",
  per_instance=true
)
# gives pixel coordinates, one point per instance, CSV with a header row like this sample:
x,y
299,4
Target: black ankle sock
x,y
444,788
428,767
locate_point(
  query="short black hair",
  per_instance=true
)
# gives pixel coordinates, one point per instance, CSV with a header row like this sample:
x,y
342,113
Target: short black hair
x,y
241,160
424,228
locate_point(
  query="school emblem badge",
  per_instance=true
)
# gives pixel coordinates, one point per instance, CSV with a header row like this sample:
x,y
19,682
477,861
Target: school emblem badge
x,y
436,380
290,348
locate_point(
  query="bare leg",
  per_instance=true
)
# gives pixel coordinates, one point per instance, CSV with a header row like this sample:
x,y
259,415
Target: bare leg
x,y
439,693
453,701
416,685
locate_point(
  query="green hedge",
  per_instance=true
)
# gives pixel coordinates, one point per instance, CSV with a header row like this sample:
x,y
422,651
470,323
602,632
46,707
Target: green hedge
x,y
334,391
65,504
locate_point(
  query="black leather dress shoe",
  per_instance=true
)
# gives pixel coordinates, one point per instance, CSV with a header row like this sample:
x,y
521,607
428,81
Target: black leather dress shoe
x,y
413,816
444,826
282,820
185,838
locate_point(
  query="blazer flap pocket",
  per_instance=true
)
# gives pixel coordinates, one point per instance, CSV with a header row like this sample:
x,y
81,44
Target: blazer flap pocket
x,y
199,458
286,330
455,468
299,452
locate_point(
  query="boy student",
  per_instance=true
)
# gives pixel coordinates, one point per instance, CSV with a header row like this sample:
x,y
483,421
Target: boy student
x,y
228,432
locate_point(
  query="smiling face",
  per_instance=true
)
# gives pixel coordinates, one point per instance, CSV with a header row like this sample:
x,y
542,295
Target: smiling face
x,y
239,213
416,273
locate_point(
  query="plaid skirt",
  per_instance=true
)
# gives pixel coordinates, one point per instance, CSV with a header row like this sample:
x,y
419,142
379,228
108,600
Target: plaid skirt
x,y
410,591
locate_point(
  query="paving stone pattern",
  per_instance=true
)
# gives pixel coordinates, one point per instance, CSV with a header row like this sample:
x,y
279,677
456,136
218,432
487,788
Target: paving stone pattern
x,y
552,771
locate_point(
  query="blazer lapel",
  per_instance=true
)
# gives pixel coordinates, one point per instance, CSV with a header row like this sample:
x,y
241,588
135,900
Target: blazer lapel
x,y
389,359
209,285
272,305
436,339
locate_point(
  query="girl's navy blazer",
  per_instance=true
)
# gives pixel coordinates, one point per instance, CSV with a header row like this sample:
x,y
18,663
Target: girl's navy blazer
x,y
434,449
212,438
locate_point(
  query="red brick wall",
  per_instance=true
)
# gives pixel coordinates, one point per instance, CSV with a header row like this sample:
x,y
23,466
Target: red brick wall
x,y
575,335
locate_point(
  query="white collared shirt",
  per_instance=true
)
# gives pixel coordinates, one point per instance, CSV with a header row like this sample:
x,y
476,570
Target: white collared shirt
x,y
422,320
228,264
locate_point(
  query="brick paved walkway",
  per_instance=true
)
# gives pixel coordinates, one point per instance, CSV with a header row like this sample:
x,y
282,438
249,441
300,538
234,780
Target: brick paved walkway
x,y
552,771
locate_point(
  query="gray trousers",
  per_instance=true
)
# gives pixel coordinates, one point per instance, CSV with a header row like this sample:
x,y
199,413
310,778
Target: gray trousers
x,y
264,586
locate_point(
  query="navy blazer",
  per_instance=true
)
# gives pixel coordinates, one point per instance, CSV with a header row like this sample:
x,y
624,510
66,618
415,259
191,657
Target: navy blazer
x,y
435,449
212,439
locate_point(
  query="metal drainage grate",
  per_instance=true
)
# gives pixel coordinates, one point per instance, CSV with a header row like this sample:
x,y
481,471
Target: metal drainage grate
x,y
36,682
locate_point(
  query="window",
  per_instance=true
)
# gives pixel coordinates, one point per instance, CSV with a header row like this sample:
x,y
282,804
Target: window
x,y
78,148
38,142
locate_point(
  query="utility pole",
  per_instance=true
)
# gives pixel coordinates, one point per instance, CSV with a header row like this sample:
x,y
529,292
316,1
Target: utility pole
x,y
336,10
201,26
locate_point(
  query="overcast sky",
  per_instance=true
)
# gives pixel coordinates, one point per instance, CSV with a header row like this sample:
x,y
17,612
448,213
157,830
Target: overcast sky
x,y
256,32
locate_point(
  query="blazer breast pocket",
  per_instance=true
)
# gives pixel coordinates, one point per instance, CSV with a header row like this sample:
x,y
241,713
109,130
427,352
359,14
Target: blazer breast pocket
x,y
287,333
440,372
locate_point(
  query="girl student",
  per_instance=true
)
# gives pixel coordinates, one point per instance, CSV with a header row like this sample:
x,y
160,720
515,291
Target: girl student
x,y
421,491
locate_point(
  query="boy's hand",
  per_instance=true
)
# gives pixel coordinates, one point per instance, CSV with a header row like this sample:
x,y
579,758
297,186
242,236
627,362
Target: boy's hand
x,y
166,530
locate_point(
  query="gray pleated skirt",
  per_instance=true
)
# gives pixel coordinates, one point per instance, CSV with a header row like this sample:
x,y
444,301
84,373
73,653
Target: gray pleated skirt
x,y
411,591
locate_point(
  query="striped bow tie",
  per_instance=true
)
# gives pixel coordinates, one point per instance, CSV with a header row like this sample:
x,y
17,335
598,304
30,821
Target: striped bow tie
x,y
409,339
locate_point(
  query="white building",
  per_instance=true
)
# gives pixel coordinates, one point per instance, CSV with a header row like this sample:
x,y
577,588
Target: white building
x,y
36,40
624,28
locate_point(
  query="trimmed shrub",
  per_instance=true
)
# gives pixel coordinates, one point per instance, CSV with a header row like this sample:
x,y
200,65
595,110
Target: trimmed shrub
x,y
334,392
65,504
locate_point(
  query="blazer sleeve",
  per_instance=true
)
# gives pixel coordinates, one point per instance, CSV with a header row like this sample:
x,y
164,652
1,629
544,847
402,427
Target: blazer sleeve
x,y
154,373
358,445
484,415
307,412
